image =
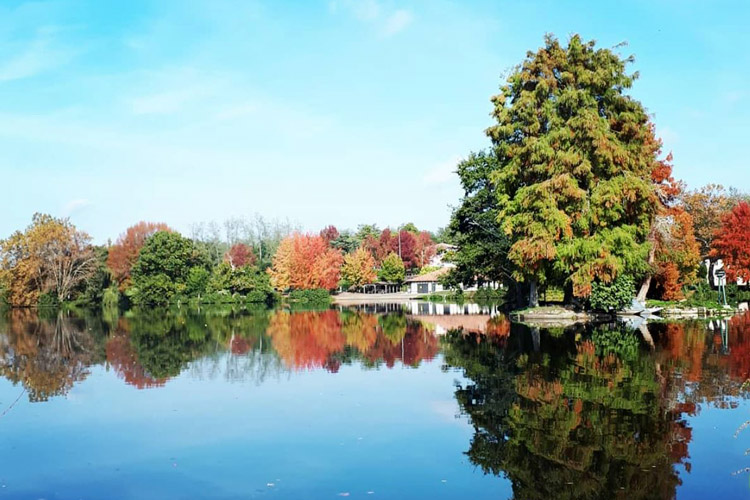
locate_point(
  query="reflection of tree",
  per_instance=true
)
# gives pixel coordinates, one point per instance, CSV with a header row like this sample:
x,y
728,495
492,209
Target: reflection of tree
x,y
166,342
315,339
572,420
124,359
46,355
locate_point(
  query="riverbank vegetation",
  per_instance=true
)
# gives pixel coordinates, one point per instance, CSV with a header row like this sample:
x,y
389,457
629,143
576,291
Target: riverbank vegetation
x,y
52,263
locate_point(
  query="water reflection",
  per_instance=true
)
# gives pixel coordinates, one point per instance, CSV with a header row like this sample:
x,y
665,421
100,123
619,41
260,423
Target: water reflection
x,y
594,412
580,412
49,354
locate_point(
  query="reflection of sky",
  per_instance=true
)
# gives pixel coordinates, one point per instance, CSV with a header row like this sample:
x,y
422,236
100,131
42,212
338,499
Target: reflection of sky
x,y
311,434
715,454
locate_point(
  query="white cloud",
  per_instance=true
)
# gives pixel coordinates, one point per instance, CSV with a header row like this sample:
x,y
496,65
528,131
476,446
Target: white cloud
x,y
74,206
397,22
442,173
372,12
38,57
167,102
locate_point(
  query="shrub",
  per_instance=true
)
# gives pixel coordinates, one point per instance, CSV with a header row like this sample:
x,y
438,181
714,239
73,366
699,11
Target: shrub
x,y
154,290
48,299
316,296
614,296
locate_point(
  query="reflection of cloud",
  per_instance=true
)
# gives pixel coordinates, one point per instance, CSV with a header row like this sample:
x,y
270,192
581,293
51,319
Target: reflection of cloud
x,y
442,173
74,206
447,410
373,13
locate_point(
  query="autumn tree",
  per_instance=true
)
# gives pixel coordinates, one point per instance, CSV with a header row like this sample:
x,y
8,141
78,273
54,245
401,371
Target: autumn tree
x,y
424,248
575,155
674,254
329,233
51,255
123,254
358,268
305,261
392,269
731,243
239,255
706,206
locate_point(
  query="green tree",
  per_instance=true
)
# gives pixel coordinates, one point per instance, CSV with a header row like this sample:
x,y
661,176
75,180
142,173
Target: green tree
x,y
482,254
575,158
163,266
392,269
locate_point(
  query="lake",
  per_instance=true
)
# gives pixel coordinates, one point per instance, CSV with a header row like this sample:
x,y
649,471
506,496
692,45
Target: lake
x,y
380,401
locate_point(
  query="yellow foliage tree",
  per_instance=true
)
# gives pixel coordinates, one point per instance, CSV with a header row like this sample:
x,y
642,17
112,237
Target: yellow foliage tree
x,y
359,268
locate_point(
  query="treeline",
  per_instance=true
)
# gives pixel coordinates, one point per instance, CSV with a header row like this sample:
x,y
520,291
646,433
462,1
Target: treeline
x,y
52,262
574,193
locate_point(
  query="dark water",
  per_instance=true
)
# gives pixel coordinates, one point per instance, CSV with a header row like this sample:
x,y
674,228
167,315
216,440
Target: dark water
x,y
375,403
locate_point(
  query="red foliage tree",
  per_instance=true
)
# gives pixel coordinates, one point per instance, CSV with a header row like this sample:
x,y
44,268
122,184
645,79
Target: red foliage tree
x,y
732,242
424,248
240,255
123,254
329,233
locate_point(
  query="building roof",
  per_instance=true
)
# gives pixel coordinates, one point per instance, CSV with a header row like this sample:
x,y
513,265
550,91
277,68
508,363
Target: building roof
x,y
429,277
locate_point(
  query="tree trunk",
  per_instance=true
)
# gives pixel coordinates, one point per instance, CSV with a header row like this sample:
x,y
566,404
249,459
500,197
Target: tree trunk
x,y
533,293
643,292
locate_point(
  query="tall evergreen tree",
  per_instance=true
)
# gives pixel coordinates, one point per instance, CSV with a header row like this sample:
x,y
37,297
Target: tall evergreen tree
x,y
575,158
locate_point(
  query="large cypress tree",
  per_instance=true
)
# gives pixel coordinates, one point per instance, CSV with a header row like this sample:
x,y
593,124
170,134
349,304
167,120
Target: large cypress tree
x,y
575,156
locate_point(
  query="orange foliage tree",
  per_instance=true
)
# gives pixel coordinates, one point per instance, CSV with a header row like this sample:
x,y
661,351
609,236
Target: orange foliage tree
x,y
305,261
732,242
675,253
124,253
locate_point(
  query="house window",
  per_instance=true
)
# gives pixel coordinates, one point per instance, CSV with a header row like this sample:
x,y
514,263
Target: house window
x,y
422,288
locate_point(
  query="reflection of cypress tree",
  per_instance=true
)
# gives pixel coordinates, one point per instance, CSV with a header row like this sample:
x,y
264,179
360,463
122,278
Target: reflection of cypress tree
x,y
166,342
573,420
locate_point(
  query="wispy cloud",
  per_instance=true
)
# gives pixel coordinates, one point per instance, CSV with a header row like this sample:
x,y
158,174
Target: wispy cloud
x,y
397,22
74,206
37,57
386,21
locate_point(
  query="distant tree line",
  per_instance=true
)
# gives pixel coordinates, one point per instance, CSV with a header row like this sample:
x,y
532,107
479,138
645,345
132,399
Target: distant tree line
x,y
52,262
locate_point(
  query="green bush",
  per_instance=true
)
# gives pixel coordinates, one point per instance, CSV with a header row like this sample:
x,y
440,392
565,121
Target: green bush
x,y
317,296
48,300
154,290
614,296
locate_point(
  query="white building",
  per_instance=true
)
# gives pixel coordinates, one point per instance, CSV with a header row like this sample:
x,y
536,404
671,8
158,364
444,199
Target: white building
x,y
427,283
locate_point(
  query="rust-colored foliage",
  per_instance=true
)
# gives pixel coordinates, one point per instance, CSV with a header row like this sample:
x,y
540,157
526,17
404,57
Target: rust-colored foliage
x,y
240,255
124,252
732,242
676,252
305,261
329,233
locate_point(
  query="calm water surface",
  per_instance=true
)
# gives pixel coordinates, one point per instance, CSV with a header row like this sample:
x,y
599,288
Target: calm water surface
x,y
380,402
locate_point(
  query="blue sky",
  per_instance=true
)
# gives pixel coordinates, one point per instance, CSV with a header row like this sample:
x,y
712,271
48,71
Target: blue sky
x,y
338,111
